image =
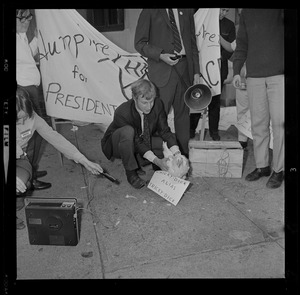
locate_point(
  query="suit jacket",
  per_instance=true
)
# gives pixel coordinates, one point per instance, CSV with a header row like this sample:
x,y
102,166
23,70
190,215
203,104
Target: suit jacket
x,y
126,114
154,34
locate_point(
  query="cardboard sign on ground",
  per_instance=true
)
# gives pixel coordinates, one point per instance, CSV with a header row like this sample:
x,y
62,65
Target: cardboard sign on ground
x,y
167,186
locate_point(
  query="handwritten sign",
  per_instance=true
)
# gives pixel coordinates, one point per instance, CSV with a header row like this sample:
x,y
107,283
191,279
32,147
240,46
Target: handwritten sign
x,y
244,126
167,186
85,76
5,149
228,117
207,37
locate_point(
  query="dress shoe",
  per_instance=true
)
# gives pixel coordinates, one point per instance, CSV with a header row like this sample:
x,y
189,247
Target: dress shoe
x,y
258,173
39,174
140,171
215,136
244,144
135,180
39,185
275,180
20,223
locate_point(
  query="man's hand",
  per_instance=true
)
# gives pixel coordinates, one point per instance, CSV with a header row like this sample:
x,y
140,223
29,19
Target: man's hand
x,y
196,79
166,57
94,168
161,163
236,82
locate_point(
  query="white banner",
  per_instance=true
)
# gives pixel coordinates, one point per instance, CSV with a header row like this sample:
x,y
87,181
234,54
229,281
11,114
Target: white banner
x,y
207,37
85,76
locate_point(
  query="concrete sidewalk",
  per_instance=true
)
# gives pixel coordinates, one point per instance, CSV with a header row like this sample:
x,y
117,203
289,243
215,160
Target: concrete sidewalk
x,y
221,228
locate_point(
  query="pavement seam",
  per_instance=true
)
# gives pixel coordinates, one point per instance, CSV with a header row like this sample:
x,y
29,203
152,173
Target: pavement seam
x,y
88,194
226,249
266,235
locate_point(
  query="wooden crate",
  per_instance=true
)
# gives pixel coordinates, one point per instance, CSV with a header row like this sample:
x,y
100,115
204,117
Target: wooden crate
x,y
216,159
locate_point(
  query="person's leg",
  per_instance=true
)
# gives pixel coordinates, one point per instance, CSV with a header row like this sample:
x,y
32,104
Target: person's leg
x,y
35,143
194,120
123,148
214,117
275,91
260,120
260,126
181,110
172,95
242,106
33,152
24,172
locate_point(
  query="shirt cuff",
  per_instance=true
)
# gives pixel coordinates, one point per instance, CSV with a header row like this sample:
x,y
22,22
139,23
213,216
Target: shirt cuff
x,y
149,155
175,149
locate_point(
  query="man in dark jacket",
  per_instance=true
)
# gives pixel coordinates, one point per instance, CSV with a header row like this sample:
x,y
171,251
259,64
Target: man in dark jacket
x,y
162,35
139,127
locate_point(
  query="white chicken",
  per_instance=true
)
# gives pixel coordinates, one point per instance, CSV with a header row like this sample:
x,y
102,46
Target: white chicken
x,y
178,165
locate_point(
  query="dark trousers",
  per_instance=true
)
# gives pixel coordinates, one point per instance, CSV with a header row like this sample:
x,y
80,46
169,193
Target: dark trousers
x,y
124,149
213,115
172,94
34,145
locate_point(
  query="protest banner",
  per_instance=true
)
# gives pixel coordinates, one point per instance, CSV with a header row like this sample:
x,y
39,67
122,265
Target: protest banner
x,y
85,76
207,38
167,186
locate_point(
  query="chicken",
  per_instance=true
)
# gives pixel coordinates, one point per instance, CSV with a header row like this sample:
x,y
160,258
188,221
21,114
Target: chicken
x,y
178,165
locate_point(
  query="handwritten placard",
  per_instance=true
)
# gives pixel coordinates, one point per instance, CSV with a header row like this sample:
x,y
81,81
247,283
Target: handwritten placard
x,y
167,186
207,37
85,76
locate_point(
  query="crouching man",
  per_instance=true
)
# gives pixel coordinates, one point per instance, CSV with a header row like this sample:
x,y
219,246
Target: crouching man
x,y
138,129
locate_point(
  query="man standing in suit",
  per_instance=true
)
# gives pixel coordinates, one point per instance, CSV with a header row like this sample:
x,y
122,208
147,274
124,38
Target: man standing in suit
x,y
167,38
139,127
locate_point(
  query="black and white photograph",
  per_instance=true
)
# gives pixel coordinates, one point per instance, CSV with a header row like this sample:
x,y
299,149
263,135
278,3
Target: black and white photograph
x,y
151,143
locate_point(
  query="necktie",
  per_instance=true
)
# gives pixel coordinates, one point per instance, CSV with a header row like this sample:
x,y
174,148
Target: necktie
x,y
177,42
146,133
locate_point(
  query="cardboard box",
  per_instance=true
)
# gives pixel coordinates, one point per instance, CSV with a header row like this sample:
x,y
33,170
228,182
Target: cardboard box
x,y
216,159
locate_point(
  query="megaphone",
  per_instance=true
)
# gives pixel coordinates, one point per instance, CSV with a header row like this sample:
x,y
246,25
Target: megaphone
x,y
197,97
